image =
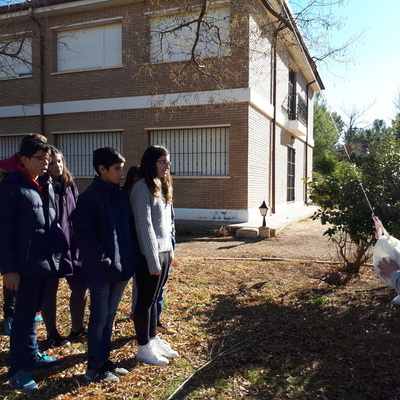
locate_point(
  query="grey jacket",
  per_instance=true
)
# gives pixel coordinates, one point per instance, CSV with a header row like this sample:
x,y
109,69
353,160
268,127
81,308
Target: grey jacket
x,y
154,224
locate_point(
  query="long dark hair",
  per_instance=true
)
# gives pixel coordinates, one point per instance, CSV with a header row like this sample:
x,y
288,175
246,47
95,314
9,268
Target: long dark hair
x,y
66,175
130,178
148,171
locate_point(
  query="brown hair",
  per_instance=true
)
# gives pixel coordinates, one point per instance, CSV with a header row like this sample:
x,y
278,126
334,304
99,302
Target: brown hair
x,y
66,175
148,171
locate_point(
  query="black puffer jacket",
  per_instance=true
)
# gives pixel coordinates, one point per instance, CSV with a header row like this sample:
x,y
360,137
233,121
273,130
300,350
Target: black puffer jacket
x,y
103,232
31,241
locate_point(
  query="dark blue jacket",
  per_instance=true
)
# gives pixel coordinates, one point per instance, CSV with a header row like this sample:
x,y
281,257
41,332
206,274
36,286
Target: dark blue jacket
x,y
103,230
65,201
31,241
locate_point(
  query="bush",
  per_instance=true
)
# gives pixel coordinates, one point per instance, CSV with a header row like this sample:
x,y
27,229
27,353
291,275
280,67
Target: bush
x,y
347,208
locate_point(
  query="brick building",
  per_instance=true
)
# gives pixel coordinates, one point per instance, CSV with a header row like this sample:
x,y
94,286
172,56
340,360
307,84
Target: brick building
x,y
235,113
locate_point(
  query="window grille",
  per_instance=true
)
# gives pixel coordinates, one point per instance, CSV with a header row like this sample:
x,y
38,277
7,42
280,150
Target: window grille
x,y
196,151
78,149
9,145
297,109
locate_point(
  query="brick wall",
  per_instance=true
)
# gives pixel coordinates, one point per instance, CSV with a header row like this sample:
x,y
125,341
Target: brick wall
x,y
249,181
214,192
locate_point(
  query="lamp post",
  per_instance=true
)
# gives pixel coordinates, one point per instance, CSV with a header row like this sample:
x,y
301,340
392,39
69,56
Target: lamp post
x,y
263,210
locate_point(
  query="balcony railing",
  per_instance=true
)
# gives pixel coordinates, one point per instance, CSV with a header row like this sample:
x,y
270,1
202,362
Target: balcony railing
x,y
297,108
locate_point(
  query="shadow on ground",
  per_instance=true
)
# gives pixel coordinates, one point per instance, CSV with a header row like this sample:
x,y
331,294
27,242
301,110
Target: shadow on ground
x,y
304,347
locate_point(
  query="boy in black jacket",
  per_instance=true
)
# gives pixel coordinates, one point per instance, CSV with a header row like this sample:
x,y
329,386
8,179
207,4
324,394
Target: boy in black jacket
x,y
31,246
102,224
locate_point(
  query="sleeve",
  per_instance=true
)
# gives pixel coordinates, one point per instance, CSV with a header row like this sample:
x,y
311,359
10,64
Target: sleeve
x,y
395,275
86,234
75,192
8,215
140,200
172,221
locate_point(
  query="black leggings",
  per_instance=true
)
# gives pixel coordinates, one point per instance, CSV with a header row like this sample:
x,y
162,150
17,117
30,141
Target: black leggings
x,y
148,290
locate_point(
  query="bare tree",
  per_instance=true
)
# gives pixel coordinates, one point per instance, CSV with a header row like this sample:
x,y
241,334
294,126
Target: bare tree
x,y
314,17
354,124
313,21
196,34
317,20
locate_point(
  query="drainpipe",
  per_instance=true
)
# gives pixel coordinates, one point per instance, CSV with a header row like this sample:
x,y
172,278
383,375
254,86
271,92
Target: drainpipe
x,y
41,71
41,67
306,146
273,133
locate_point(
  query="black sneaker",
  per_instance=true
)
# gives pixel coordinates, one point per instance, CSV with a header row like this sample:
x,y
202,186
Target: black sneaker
x,y
99,375
78,334
57,341
114,369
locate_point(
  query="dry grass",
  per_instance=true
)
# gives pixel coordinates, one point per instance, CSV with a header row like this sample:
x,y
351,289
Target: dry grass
x,y
286,334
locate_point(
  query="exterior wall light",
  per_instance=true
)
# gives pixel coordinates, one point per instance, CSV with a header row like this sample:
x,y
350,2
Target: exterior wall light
x,y
263,210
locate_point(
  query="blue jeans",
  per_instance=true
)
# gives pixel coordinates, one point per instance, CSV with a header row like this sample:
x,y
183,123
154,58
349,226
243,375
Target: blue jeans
x,y
104,301
8,302
23,344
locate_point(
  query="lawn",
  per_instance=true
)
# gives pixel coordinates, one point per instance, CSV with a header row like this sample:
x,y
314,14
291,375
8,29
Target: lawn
x,y
247,329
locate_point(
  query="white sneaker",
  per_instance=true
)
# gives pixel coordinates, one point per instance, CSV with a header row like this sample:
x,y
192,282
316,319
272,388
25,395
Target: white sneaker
x,y
163,347
396,301
150,355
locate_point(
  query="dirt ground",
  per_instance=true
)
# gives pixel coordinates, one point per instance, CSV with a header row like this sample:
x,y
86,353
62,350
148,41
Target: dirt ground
x,y
247,328
301,240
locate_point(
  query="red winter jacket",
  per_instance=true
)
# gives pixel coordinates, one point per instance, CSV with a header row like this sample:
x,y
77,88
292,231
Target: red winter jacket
x,y
9,164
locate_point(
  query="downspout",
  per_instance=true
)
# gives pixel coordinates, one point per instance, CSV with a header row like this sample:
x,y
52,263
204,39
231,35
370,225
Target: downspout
x,y
273,138
41,72
42,83
306,147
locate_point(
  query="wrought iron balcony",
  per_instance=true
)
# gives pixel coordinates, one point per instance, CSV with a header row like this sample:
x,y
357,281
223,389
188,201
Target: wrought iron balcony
x,y
297,109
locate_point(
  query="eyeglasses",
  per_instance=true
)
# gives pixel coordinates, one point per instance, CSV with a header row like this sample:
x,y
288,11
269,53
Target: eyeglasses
x,y
41,158
165,163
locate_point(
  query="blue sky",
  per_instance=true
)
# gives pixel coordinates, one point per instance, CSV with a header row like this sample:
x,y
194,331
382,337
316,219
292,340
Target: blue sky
x,y
371,79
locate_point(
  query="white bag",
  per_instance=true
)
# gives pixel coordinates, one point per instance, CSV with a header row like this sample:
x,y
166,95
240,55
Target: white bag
x,y
386,247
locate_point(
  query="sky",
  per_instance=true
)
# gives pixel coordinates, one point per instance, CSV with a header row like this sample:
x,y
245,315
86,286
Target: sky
x,y
369,83
371,80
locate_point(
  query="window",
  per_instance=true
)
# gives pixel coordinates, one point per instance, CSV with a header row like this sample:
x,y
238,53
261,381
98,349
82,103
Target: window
x,y
92,47
9,145
297,106
291,170
292,95
172,37
196,151
78,148
15,58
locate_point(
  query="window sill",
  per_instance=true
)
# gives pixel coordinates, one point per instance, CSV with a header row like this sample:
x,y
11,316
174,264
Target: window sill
x,y
9,78
200,177
73,71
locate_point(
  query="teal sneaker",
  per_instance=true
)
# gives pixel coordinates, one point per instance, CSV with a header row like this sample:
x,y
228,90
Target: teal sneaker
x,y
22,380
45,361
38,318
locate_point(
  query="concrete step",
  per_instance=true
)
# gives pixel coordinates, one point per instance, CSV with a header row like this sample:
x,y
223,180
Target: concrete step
x,y
274,223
